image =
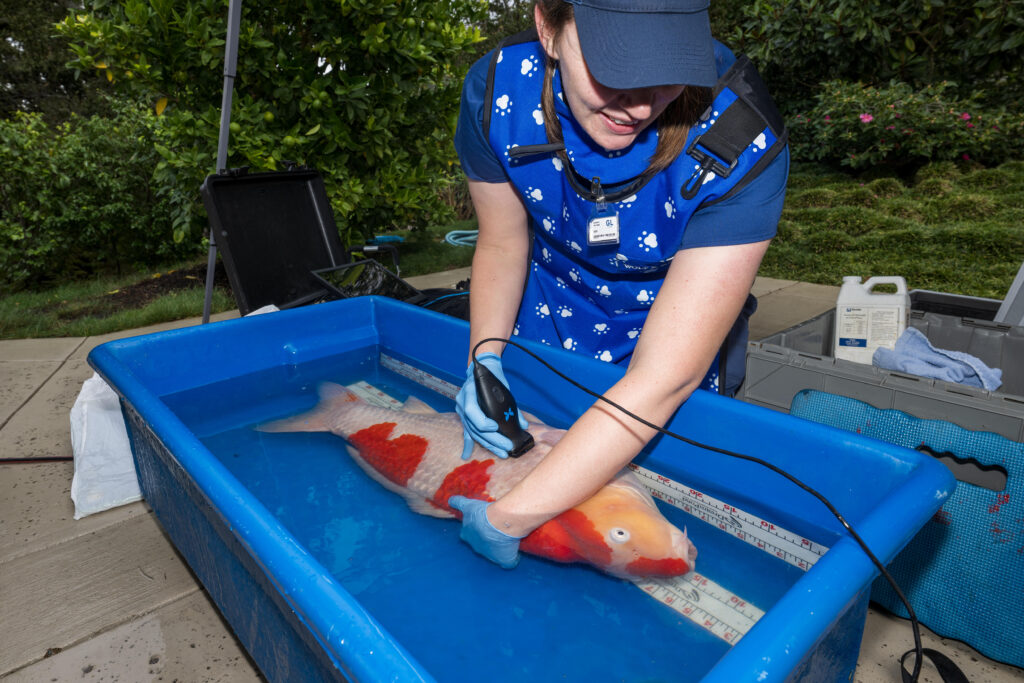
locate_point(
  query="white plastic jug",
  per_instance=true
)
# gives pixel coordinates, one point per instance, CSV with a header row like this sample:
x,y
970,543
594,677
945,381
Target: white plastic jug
x,y
866,320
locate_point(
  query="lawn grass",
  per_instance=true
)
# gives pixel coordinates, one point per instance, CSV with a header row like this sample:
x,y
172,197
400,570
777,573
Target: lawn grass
x,y
71,310
948,229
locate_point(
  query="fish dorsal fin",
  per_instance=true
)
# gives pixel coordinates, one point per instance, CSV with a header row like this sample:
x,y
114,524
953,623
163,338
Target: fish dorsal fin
x,y
417,407
333,397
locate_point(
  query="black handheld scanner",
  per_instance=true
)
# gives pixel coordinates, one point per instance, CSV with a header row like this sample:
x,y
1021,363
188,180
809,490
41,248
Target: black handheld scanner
x,y
497,403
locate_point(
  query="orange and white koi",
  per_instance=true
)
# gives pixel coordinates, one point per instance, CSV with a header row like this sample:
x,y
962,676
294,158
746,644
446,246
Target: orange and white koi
x,y
415,452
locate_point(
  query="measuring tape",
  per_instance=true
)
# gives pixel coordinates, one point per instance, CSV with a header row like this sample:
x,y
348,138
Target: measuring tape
x,y
705,603
696,597
785,545
421,377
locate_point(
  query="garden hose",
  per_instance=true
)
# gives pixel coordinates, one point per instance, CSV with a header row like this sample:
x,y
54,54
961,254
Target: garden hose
x,y
461,238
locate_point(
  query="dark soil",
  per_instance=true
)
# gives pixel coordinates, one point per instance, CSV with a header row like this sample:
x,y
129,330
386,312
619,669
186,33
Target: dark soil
x,y
146,291
159,284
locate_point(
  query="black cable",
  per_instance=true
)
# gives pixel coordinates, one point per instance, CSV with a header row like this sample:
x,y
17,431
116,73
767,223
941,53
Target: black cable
x,y
29,461
915,626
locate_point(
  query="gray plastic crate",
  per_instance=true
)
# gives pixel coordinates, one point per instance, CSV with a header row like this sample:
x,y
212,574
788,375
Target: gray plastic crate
x,y
800,358
976,307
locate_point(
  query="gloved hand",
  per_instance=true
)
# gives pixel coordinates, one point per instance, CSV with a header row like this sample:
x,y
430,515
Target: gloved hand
x,y
480,534
477,426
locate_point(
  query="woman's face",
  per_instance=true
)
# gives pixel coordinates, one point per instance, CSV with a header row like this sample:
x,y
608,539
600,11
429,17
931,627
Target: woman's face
x,y
613,118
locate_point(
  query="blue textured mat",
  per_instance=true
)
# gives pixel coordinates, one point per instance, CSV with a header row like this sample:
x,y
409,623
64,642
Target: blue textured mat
x,y
964,571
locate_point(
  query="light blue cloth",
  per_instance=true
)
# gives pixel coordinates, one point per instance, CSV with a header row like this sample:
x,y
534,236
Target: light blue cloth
x,y
915,354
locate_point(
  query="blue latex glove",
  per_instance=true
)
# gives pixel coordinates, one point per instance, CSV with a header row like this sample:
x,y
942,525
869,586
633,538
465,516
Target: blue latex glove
x,y
477,426
480,534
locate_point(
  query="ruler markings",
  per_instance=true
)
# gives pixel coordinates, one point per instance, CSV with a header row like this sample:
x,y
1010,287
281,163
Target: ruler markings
x,y
771,538
423,377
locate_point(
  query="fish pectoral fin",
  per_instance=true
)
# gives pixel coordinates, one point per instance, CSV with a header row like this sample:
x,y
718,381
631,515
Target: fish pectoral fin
x,y
425,507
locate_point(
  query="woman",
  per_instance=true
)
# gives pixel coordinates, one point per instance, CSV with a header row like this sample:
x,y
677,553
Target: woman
x,y
624,208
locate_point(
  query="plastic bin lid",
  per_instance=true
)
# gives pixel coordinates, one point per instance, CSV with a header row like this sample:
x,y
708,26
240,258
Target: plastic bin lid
x,y
273,229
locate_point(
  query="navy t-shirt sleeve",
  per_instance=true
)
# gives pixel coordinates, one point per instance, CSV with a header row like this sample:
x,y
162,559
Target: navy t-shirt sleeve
x,y
475,154
750,215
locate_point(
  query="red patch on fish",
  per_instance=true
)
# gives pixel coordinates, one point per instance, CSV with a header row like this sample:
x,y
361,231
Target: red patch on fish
x,y
469,480
396,459
569,537
666,567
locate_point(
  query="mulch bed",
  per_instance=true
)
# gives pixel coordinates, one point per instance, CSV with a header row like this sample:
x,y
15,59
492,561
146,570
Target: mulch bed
x,y
146,291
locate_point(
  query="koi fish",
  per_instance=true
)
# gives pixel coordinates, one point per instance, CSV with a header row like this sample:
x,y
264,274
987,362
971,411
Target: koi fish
x,y
416,453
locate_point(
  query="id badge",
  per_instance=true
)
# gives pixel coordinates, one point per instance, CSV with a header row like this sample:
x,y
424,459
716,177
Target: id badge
x,y
603,228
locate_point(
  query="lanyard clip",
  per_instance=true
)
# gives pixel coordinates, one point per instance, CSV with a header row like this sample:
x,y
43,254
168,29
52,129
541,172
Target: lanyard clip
x,y
598,192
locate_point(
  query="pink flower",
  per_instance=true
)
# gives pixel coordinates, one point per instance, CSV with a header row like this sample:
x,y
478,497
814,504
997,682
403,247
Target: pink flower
x,y
866,118
965,117
827,117
970,125
890,127
966,157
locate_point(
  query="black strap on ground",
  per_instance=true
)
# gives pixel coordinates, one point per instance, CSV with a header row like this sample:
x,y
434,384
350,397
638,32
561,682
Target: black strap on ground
x,y
948,671
31,461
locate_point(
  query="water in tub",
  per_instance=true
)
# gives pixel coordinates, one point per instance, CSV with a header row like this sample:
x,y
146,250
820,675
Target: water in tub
x,y
463,618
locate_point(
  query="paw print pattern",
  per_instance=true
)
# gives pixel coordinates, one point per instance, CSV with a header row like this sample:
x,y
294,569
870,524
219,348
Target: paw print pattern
x,y
710,120
604,291
528,67
534,194
670,208
548,225
601,329
557,163
538,116
569,344
560,283
711,382
542,310
633,333
503,105
574,245
606,356
501,56
574,275
708,178
565,213
565,311
647,240
645,297
508,156
628,201
759,142
545,254
515,330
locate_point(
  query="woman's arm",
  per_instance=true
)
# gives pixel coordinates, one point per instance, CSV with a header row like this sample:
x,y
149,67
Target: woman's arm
x,y
499,263
696,307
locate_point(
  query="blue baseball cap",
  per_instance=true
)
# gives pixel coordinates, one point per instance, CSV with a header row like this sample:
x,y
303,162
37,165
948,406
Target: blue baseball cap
x,y
641,43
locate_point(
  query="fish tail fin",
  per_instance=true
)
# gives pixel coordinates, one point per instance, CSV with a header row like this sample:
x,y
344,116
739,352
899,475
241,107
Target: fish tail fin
x,y
334,398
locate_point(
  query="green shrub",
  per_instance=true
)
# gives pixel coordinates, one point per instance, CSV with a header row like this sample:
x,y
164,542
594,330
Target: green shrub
x,y
365,92
78,197
897,126
799,44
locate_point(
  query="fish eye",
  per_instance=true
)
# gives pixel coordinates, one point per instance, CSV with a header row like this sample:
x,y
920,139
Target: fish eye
x,y
618,535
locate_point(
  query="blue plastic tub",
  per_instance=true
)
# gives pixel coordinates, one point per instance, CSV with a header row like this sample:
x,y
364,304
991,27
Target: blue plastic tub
x,y
323,574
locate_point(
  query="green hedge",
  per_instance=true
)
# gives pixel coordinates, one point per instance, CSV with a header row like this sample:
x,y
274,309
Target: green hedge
x,y
79,197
